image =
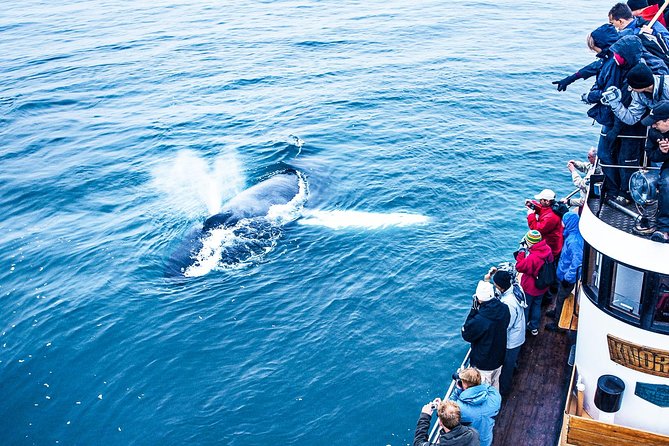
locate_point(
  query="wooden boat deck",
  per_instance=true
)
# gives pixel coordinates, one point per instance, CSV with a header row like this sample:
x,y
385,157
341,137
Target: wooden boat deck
x,y
532,414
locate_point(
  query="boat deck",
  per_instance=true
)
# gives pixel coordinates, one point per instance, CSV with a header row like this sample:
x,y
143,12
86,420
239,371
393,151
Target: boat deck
x,y
532,414
615,218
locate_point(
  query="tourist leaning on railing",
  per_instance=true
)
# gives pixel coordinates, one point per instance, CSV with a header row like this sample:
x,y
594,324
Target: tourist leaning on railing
x,y
479,403
485,329
451,432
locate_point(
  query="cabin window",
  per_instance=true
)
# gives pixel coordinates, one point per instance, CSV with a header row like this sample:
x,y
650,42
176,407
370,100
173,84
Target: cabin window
x,y
661,314
626,290
594,270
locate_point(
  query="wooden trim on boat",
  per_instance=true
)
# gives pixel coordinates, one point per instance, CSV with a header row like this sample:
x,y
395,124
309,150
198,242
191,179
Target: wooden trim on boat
x,y
584,431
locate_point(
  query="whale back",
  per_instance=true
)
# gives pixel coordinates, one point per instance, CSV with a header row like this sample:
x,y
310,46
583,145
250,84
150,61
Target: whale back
x,y
257,200
246,228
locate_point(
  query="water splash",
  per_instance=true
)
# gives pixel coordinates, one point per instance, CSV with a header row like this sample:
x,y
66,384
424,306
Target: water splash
x,y
194,185
297,142
249,240
358,219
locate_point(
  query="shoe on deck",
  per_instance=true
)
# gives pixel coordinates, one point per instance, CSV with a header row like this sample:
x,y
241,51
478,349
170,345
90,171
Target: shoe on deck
x,y
660,236
534,332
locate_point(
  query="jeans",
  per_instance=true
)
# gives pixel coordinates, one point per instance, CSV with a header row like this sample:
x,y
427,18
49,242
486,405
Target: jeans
x,y
629,152
606,153
533,311
506,378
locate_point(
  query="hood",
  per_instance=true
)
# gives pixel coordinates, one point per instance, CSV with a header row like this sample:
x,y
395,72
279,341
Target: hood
x,y
477,395
541,249
570,221
459,435
494,309
604,36
629,48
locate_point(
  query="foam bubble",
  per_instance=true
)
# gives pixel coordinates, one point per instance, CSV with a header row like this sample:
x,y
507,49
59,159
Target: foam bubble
x,y
358,219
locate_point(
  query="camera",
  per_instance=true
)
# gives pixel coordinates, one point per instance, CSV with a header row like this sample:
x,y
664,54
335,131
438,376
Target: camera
x,y
456,378
610,94
434,405
531,205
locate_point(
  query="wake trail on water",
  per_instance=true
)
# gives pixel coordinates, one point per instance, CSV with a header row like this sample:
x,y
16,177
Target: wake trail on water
x,y
358,219
194,185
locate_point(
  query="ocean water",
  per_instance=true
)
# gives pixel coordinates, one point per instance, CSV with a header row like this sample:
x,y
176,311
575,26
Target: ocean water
x,y
420,127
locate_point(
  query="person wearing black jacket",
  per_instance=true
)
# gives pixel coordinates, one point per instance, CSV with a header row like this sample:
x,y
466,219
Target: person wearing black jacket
x,y
657,148
451,432
485,329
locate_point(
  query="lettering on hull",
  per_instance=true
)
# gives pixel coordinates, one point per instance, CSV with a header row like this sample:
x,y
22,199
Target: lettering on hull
x,y
638,357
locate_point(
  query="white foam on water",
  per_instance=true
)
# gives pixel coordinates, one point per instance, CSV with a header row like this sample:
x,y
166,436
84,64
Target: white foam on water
x,y
195,185
210,255
358,219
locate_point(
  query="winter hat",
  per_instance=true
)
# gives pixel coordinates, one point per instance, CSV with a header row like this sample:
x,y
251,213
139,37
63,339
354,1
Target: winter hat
x,y
502,279
532,237
637,4
484,291
640,77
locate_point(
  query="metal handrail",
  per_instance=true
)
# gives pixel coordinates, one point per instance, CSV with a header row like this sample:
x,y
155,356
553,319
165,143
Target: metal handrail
x,y
434,433
629,167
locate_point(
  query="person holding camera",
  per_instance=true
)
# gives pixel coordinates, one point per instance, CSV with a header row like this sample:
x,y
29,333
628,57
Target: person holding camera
x,y
451,432
485,329
542,217
479,403
532,254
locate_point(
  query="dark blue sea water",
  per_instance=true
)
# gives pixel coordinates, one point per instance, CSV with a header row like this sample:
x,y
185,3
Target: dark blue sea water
x,y
125,124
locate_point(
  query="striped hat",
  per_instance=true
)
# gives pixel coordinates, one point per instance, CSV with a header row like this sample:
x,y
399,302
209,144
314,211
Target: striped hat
x,y
532,237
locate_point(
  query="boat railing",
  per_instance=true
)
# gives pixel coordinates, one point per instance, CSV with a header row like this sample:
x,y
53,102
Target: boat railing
x,y
434,433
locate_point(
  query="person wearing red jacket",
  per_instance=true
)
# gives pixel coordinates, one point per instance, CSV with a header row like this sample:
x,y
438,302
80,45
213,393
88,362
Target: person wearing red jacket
x,y
530,257
540,216
643,9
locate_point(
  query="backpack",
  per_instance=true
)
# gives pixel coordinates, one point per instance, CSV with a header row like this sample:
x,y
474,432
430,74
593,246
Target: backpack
x,y
655,46
547,275
560,209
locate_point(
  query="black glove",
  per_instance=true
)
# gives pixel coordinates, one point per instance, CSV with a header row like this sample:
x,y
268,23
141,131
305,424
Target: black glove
x,y
564,83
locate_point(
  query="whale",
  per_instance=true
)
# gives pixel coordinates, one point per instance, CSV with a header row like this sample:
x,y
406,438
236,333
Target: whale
x,y
247,226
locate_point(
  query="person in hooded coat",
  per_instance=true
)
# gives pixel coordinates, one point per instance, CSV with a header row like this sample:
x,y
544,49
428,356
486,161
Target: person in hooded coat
x,y
479,403
530,257
610,74
485,329
569,265
598,41
451,432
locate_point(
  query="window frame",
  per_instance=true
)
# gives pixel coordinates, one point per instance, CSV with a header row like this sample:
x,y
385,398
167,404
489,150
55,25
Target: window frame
x,y
603,297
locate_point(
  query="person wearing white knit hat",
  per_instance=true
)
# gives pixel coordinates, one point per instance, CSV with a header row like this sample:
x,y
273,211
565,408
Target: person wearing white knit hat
x,y
485,329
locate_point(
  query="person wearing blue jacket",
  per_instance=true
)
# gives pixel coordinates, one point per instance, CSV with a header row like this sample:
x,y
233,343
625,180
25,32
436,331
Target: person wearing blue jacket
x,y
622,18
569,265
479,403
